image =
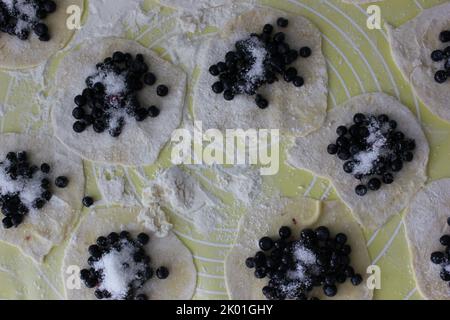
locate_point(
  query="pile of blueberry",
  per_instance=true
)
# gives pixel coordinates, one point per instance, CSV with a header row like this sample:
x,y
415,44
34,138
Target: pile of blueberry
x,y
93,277
234,76
352,141
97,108
442,55
277,259
18,168
442,258
17,21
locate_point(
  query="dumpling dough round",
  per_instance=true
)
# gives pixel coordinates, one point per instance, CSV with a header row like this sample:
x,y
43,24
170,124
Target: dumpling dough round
x,y
168,251
140,142
240,281
412,45
38,233
18,54
425,223
374,209
293,110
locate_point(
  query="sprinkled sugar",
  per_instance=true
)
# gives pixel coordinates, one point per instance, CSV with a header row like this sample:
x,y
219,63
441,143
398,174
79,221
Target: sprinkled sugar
x,y
305,263
118,270
25,8
376,141
29,189
258,53
114,83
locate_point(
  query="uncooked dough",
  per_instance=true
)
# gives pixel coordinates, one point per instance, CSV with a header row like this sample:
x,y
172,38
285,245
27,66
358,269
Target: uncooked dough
x,y
412,45
40,231
374,209
292,110
18,54
426,222
241,282
168,251
140,142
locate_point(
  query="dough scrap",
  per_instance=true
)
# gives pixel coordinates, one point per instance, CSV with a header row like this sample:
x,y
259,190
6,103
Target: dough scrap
x,y
168,251
240,281
412,45
374,209
140,142
18,54
426,222
292,110
38,233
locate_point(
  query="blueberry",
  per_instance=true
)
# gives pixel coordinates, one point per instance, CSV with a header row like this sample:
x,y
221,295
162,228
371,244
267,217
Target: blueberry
x,y
250,262
102,241
349,167
228,95
143,238
261,102
359,118
341,130
282,22
260,273
361,190
437,257
7,223
285,232
268,28
440,76
290,74
49,6
118,56
388,178
374,184
79,126
340,238
149,79
45,168
78,113
141,297
279,37
305,52
84,274
332,149
397,165
445,275
222,67
444,36
322,233
448,221
38,203
407,156
16,219
445,240
217,87
344,155
356,279
80,100
61,182
330,291
153,111
162,272
266,243
40,29
162,90
88,201
437,55
298,81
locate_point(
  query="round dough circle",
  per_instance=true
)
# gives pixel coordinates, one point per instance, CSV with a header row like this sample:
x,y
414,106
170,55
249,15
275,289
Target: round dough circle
x,y
168,251
291,109
140,142
374,209
50,226
18,54
426,222
241,282
412,45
